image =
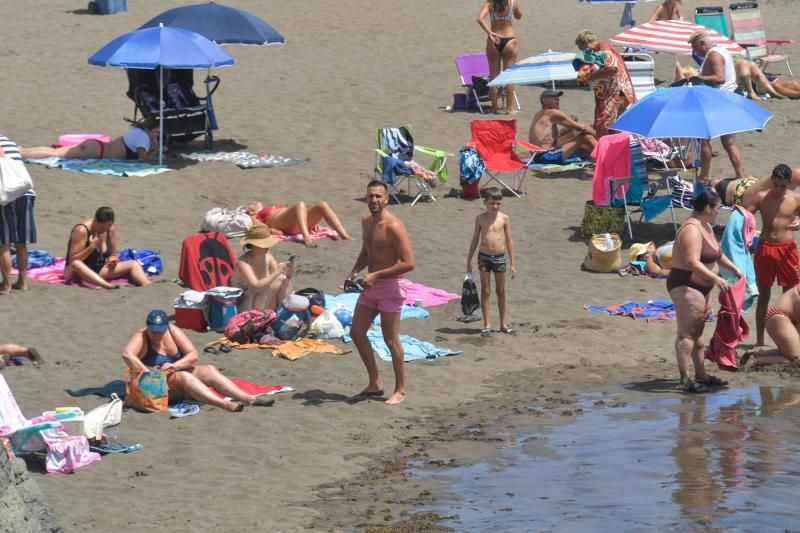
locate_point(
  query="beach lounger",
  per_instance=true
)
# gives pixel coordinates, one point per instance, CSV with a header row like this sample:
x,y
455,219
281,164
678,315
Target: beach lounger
x,y
398,143
712,17
748,32
477,65
42,434
641,67
495,141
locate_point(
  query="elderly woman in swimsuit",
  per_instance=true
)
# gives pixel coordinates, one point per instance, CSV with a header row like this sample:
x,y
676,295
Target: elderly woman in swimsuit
x,y
298,218
164,345
265,281
501,44
139,143
781,323
696,258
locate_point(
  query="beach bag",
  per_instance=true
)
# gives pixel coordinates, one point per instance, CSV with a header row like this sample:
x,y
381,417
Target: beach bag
x,y
480,84
107,416
315,296
605,253
471,166
602,219
249,325
231,222
149,259
327,326
469,296
146,391
14,180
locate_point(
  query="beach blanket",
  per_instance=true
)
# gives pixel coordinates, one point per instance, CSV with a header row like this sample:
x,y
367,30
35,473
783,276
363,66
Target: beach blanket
x,y
318,233
348,300
246,159
118,387
291,350
414,349
651,311
109,167
54,274
430,296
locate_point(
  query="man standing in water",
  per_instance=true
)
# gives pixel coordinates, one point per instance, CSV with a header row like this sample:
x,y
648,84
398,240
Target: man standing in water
x,y
386,252
776,255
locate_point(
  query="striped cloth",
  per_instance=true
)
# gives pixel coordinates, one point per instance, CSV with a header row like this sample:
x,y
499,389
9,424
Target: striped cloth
x,y
17,225
10,149
670,36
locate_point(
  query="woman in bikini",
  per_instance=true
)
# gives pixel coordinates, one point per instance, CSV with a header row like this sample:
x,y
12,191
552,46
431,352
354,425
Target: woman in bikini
x,y
298,218
669,10
749,78
501,45
265,281
781,323
138,143
696,258
164,345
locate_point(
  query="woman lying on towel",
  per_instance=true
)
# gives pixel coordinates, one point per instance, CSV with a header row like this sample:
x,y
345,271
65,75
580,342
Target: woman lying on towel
x,y
164,345
138,143
265,281
9,352
297,218
750,80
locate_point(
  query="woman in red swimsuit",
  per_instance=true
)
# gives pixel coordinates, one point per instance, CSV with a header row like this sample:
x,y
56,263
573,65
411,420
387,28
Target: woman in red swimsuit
x,y
298,218
781,323
696,258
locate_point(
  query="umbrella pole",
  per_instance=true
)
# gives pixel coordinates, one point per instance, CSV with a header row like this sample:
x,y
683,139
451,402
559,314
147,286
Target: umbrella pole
x,y
160,115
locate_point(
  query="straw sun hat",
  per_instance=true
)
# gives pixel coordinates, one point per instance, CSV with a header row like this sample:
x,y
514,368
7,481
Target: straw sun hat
x,y
638,248
260,236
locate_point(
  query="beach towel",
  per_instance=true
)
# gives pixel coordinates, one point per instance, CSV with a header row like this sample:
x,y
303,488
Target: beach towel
x,y
118,387
109,167
736,241
613,159
54,274
293,350
430,296
318,233
348,300
413,349
256,389
731,328
149,259
246,159
652,310
36,259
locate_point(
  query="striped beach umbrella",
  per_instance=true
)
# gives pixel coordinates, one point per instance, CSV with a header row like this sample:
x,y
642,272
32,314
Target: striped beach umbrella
x,y
547,67
670,36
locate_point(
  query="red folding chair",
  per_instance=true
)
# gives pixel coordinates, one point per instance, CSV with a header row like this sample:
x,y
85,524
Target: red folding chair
x,y
495,141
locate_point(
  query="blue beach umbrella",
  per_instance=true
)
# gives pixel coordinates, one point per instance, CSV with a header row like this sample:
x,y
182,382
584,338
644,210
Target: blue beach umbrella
x,y
159,48
547,67
219,23
695,112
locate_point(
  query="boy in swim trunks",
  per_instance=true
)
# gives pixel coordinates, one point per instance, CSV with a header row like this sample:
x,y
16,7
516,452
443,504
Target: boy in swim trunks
x,y
776,255
493,231
386,252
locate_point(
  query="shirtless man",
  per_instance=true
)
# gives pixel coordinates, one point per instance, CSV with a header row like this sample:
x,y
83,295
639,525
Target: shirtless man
x,y
776,254
387,254
553,130
92,253
741,191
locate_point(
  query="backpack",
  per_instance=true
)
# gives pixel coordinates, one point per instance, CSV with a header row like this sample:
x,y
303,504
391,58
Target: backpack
x,y
231,222
248,326
206,261
315,296
471,166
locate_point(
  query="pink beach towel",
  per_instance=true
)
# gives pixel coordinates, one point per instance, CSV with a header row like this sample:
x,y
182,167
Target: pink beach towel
x,y
318,233
55,274
255,389
430,296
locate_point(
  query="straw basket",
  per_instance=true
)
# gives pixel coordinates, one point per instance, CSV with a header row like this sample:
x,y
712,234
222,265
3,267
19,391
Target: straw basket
x,y
73,424
598,259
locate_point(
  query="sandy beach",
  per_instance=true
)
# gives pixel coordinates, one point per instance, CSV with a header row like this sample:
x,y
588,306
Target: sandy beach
x,y
317,459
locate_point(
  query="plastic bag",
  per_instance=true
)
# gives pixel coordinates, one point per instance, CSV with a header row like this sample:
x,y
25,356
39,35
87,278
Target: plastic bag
x,y
327,326
469,296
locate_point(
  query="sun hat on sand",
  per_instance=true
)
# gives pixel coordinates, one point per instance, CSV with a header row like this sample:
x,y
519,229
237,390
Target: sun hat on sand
x,y
259,235
638,248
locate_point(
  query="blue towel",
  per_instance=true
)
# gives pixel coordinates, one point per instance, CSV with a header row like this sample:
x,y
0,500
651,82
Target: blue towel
x,y
111,167
654,309
348,300
149,259
413,348
393,167
117,386
36,259
733,247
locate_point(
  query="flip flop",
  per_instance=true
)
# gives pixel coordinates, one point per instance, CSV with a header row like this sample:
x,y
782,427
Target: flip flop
x,y
115,447
372,394
225,348
692,387
210,349
486,332
508,330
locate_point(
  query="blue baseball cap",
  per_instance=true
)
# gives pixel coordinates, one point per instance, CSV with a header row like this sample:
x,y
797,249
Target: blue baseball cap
x,y
157,321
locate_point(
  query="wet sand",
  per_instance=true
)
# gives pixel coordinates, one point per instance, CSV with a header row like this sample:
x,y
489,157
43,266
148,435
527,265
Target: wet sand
x,y
347,68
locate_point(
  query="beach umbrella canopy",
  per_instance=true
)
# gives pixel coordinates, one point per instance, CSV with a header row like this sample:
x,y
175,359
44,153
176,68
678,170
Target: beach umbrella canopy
x,y
547,67
670,36
697,112
219,23
161,48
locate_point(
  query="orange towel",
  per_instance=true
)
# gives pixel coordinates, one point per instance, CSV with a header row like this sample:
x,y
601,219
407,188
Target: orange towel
x,y
292,350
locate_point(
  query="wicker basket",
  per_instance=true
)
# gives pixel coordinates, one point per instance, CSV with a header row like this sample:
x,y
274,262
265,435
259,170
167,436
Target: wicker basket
x,y
73,424
599,259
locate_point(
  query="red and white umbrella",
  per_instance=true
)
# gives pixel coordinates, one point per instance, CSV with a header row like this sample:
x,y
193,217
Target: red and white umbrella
x,y
670,36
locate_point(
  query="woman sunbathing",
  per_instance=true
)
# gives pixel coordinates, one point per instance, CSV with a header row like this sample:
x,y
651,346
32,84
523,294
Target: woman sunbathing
x,y
10,351
298,218
164,345
140,142
749,78
265,281
657,260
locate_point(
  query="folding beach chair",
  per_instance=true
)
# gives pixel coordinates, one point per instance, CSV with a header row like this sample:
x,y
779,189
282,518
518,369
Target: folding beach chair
x,y
495,141
748,32
64,452
642,68
477,66
398,143
712,17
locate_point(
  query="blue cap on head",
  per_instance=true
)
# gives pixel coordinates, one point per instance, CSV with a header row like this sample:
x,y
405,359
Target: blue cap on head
x,y
157,321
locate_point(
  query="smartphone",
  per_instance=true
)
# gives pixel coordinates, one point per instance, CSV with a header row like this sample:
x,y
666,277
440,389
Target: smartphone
x,y
292,257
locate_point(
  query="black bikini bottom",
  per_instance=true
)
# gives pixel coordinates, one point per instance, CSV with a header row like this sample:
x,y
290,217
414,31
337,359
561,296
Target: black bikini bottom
x,y
503,42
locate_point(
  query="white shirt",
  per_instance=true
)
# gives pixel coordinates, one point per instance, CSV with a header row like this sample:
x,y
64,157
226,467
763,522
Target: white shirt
x,y
11,151
730,71
136,138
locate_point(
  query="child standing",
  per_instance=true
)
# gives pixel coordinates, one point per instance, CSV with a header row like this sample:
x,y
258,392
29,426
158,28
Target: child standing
x,y
493,230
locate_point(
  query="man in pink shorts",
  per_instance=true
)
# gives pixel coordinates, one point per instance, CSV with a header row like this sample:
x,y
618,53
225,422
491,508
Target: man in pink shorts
x,y
386,252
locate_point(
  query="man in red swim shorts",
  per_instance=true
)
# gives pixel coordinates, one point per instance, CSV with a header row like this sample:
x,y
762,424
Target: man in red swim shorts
x,y
386,252
776,255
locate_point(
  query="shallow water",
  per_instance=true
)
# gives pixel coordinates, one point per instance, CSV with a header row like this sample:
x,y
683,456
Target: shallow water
x,y
727,461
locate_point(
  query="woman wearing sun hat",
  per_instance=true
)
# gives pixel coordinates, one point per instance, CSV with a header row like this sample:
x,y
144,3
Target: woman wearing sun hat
x,y
164,345
265,281
654,258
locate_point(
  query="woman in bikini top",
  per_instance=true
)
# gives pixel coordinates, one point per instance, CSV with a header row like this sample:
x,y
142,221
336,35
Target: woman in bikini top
x,y
501,45
669,10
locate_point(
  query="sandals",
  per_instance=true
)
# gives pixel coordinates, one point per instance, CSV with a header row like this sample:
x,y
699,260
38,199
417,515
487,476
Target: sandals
x,y
508,330
222,348
115,447
486,332
692,387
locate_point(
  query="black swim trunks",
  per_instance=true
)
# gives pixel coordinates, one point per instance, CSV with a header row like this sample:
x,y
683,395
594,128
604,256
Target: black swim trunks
x,y
550,157
491,263
722,188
